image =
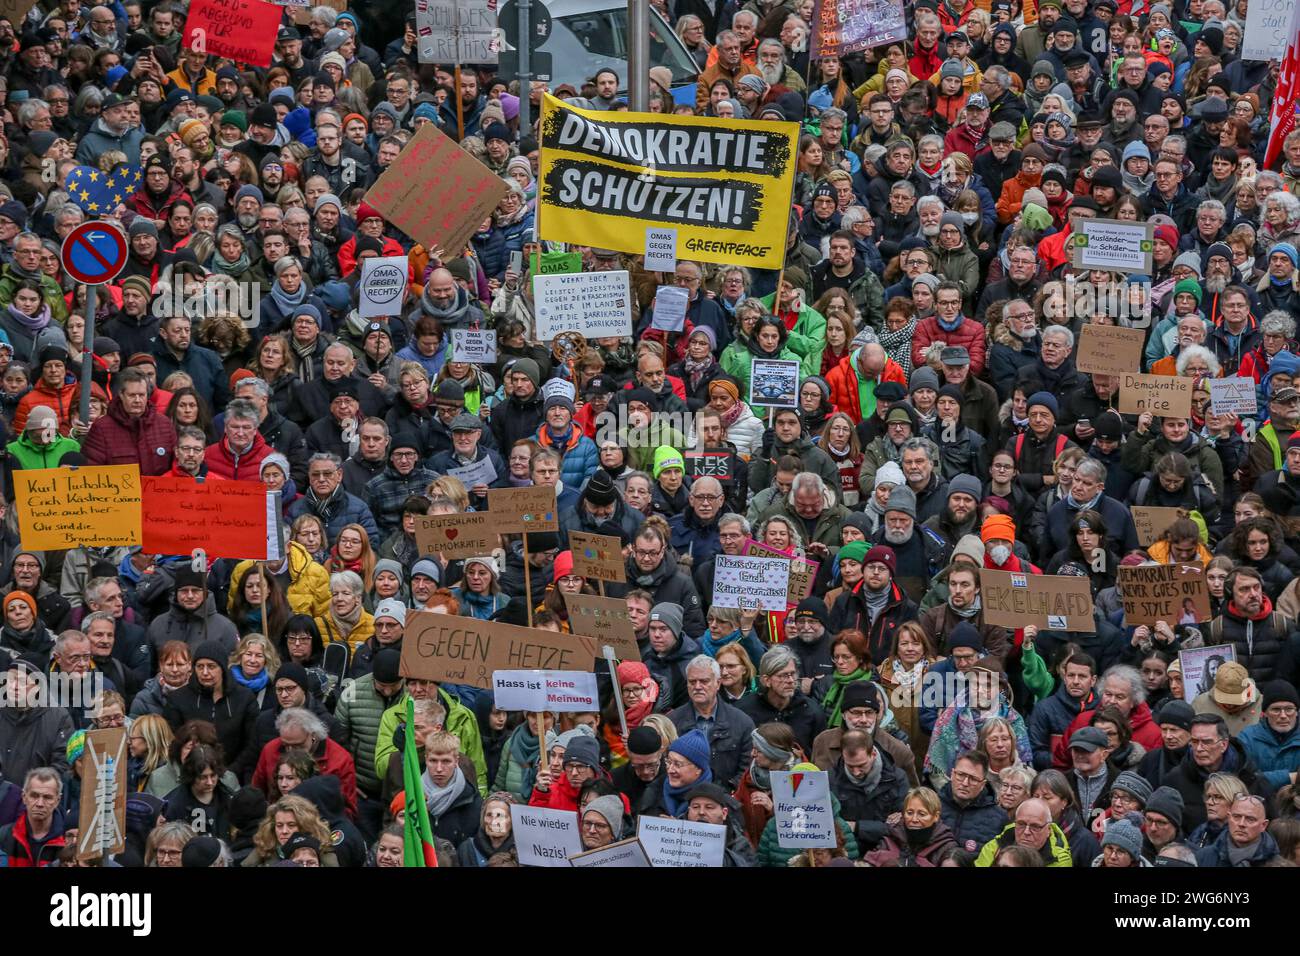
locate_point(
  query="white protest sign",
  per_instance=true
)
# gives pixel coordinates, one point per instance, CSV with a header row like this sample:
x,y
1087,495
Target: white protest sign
x,y
1232,396
545,837
670,308
761,581
558,386
480,473
624,853
274,527
1268,29
383,286
679,843
660,250
597,304
774,383
802,804
1112,245
476,346
534,691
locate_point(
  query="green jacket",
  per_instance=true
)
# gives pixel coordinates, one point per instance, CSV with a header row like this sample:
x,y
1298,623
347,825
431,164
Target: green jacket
x,y
1057,845
770,854
360,713
50,292
460,721
736,359
807,338
639,444
512,776
30,455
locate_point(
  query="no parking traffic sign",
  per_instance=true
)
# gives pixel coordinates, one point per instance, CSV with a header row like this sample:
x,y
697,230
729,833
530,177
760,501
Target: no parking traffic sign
x,y
94,252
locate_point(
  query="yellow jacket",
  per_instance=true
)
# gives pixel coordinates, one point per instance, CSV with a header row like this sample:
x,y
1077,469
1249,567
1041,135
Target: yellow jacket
x,y
364,630
309,583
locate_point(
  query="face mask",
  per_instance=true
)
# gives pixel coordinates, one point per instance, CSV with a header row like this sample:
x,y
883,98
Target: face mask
x,y
1000,553
970,218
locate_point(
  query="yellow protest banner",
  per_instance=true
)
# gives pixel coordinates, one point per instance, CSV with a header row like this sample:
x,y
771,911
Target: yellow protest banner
x,y
65,507
722,186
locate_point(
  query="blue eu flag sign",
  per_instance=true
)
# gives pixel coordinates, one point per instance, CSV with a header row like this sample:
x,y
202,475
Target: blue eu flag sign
x,y
99,193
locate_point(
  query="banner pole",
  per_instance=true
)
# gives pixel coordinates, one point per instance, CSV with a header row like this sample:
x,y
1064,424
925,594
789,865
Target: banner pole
x,y
88,353
460,100
266,593
528,582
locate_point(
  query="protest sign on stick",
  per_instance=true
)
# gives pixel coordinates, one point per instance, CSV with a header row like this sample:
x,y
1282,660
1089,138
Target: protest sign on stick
x,y
1051,602
1173,593
92,506
761,582
101,819
239,30
225,519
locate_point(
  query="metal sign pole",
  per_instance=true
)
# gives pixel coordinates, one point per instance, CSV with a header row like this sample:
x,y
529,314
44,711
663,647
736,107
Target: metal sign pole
x,y
88,352
525,68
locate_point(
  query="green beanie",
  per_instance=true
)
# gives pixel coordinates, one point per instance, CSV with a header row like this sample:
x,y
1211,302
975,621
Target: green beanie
x,y
1035,216
1190,286
667,457
235,118
855,551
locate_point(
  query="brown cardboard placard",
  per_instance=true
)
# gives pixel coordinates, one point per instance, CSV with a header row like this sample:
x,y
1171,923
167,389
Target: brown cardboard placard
x,y
435,192
1173,593
1168,395
464,650
605,620
101,820
597,556
1110,349
1049,601
1151,522
520,510
624,853
458,535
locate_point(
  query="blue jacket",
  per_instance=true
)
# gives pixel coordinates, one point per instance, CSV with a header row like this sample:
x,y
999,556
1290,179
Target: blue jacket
x,y
1276,758
1121,534
490,246
579,460
1049,718
974,824
691,537
516,234
202,365
342,509
730,739
481,607
1216,854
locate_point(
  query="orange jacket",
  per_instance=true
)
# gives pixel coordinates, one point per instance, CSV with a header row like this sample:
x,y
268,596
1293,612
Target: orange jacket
x,y
843,380
63,400
1013,194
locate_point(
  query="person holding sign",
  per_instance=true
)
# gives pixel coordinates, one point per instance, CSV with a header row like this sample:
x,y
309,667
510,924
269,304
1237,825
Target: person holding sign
x,y
1145,445
469,460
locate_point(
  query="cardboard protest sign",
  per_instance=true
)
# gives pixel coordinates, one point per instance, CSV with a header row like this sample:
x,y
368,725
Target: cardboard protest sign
x,y
15,11
1112,245
724,184
535,691
1173,593
761,582
774,383
670,308
475,346
848,26
464,650
456,31
1269,28
555,263
597,556
456,536
239,30
383,286
95,506
226,519
605,620
597,304
801,803
1152,521
1048,601
803,573
101,820
623,853
435,192
1169,395
680,843
1110,349
524,510
1201,665
544,837
1232,396
709,464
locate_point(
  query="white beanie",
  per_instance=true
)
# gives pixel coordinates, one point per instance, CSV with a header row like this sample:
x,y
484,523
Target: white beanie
x,y
890,473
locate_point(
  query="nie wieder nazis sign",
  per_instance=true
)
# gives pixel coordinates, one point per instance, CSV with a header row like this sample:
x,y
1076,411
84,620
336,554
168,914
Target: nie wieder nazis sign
x,y
724,185
1054,602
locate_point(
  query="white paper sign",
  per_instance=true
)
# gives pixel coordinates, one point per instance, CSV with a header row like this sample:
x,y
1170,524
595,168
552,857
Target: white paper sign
x,y
1232,396
680,843
1112,245
624,853
661,250
274,527
480,473
558,386
456,31
597,304
774,383
670,308
476,346
535,691
1269,27
761,581
545,837
802,804
383,286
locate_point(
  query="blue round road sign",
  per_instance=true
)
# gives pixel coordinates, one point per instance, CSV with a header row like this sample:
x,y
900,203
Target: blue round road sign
x,y
94,252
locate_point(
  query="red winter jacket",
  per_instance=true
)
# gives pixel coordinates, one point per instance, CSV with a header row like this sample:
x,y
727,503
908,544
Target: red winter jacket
x,y
843,381
1145,731
334,760
962,139
119,439
223,463
970,333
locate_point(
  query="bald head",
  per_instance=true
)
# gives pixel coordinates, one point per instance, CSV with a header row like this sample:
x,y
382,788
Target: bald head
x,y
1033,823
873,360
441,288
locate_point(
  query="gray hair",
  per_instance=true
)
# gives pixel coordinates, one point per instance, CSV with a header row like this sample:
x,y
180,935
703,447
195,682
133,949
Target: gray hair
x,y
64,639
915,443
926,201
1274,179
776,660
999,75
747,14
347,579
772,43
831,112
854,215
68,212
28,110
329,456
91,591
431,707
1091,466
1176,139
1019,771
304,720
796,539
1178,851
45,775
809,479
90,619
904,186
242,409
1060,331
933,138
1278,322
258,385
704,660
333,346
1289,203
326,15
1137,690
1214,206
1201,352
731,518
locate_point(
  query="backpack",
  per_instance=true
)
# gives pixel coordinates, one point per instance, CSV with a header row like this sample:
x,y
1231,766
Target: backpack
x,y
1020,444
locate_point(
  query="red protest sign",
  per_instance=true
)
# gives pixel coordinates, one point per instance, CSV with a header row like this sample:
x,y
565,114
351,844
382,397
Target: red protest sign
x,y
241,30
226,519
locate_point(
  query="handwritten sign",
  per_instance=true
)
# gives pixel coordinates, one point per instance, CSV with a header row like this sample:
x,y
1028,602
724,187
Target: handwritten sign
x,y
534,691
680,843
1048,601
597,304
91,506
1269,28
556,263
524,510
464,650
559,386
1232,396
598,557
620,854
710,464
383,286
1112,245
1173,593
456,31
764,582
435,192
227,519
670,308
1167,395
1110,349
1151,522
456,536
481,472
803,573
801,804
475,346
239,30
101,818
1201,665
544,837
774,383
604,620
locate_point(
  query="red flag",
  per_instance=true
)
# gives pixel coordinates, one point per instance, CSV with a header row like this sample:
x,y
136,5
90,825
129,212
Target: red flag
x,y
1283,110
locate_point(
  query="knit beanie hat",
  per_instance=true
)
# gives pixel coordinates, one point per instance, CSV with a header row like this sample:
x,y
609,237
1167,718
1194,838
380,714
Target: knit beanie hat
x,y
1191,287
669,615
694,746
889,474
212,650
644,741
902,499
1177,713
1125,834
583,750
610,806
965,635
76,746
526,366
970,546
1167,802
1273,692
882,554
20,597
667,457
855,551
1047,400
966,485
200,853
1133,784
923,377
998,526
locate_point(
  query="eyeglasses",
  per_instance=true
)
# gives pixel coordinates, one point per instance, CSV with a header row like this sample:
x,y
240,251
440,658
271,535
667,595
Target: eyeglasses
x,y
962,777
1031,827
695,496
677,763
642,553
298,639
